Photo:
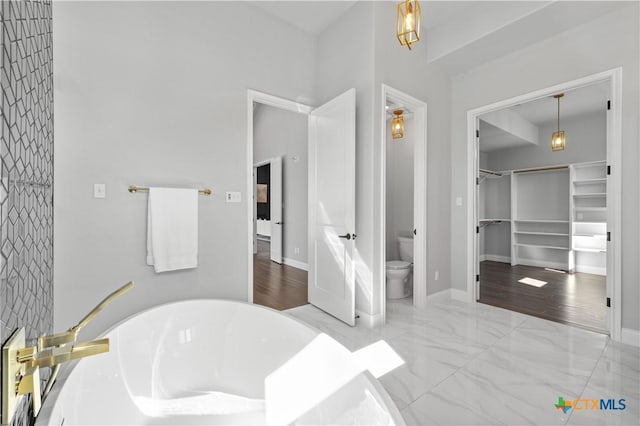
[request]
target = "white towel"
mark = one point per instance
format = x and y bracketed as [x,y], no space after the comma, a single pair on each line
[172,229]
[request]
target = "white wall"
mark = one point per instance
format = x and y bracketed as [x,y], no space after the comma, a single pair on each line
[400,182]
[281,133]
[154,93]
[409,72]
[586,141]
[607,42]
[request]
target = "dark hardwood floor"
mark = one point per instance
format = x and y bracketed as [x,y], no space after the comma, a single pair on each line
[577,299]
[277,286]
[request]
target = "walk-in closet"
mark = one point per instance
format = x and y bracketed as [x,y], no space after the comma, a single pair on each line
[542,209]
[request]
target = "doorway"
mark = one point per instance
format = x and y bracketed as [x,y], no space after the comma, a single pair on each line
[403,227]
[544,218]
[330,200]
[279,207]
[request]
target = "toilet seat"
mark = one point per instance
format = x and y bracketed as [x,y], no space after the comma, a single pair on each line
[397,264]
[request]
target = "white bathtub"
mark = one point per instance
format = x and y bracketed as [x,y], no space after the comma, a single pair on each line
[201,362]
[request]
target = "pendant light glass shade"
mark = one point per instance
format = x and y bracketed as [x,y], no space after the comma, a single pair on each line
[558,139]
[397,125]
[408,20]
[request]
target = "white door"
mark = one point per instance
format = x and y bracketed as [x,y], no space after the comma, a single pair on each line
[275,181]
[332,143]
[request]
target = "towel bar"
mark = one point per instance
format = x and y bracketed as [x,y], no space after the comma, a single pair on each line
[133,188]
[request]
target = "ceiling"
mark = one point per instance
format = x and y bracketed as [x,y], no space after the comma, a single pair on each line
[312,17]
[460,34]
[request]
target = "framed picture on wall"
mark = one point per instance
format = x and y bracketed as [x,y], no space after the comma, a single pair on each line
[261,193]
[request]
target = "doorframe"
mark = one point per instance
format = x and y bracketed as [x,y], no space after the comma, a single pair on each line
[274,101]
[614,188]
[420,200]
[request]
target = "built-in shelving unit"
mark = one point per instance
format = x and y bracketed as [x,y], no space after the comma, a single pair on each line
[540,212]
[553,217]
[495,216]
[589,217]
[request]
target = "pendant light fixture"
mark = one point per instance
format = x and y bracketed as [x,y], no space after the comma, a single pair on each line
[397,125]
[408,20]
[558,139]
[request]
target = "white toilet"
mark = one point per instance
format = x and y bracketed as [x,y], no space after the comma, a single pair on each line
[399,282]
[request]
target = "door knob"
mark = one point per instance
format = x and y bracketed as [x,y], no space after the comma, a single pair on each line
[279,223]
[414,232]
[347,236]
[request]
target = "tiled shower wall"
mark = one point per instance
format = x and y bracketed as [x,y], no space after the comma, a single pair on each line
[26,169]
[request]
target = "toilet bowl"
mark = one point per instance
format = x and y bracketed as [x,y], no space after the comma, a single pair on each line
[398,279]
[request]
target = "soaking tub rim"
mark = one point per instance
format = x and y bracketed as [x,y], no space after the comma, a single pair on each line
[67,369]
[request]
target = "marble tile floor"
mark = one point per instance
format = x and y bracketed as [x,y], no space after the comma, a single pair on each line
[478,364]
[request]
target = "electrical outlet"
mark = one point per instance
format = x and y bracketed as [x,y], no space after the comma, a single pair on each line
[233,197]
[458,201]
[436,275]
[296,250]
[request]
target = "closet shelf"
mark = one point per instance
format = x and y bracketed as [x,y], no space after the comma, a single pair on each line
[541,221]
[589,181]
[591,235]
[495,220]
[542,246]
[591,195]
[590,222]
[589,250]
[542,233]
[590,209]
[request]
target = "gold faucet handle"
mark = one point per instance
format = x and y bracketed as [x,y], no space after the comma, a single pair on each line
[57,355]
[30,383]
[57,339]
[26,354]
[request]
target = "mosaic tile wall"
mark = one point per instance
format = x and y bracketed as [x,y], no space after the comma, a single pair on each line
[26,170]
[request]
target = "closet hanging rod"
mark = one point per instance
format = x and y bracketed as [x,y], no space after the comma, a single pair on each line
[133,188]
[484,222]
[541,169]
[490,172]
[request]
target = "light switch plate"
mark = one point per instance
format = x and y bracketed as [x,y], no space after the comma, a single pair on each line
[99,190]
[458,201]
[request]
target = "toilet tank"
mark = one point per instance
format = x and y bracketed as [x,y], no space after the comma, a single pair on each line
[405,248]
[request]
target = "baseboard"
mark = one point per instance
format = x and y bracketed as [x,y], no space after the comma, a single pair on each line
[631,337]
[542,264]
[368,320]
[295,264]
[591,270]
[495,258]
[448,294]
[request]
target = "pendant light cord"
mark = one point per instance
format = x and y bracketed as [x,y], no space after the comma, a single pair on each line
[558,114]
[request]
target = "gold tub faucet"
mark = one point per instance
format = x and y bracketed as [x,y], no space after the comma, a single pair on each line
[21,364]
